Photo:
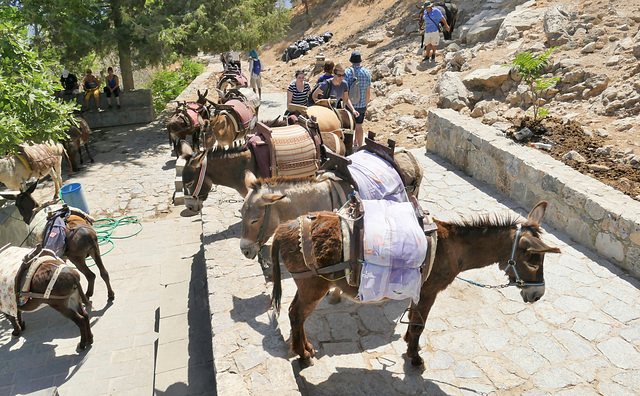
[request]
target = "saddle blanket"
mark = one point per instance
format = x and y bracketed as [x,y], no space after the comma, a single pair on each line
[10,263]
[395,248]
[376,178]
[41,157]
[245,115]
[193,116]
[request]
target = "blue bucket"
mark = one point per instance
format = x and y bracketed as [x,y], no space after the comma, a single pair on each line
[73,196]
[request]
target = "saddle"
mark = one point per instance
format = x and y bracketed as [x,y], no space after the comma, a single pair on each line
[39,157]
[17,270]
[242,115]
[191,111]
[292,150]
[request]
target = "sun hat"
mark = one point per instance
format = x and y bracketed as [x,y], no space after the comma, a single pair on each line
[65,73]
[428,4]
[355,57]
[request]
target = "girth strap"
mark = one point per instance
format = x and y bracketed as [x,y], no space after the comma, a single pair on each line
[307,244]
[53,280]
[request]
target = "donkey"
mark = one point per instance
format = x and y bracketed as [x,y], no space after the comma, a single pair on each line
[81,240]
[460,246]
[276,200]
[16,170]
[78,137]
[188,120]
[66,297]
[225,167]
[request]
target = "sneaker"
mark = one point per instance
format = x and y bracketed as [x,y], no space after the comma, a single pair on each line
[426,58]
[111,107]
[100,110]
[433,58]
[118,107]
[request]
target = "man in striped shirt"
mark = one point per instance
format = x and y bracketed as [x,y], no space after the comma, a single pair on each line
[364,78]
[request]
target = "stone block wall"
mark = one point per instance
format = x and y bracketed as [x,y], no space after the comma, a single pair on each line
[590,212]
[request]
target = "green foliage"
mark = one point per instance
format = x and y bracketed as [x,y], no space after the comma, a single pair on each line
[531,67]
[28,110]
[167,85]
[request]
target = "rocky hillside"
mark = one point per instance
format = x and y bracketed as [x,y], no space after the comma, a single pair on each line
[596,60]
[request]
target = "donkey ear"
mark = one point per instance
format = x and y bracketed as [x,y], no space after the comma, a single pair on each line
[535,245]
[206,92]
[220,93]
[537,213]
[32,188]
[249,179]
[270,199]
[185,149]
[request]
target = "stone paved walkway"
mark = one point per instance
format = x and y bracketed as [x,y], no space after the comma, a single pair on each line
[155,337]
[583,337]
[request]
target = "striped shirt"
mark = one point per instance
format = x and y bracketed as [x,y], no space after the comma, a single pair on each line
[364,77]
[299,98]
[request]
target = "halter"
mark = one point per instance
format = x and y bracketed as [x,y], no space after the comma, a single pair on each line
[512,263]
[200,182]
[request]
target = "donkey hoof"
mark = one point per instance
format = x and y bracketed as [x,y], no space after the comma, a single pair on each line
[16,333]
[333,300]
[305,362]
[111,296]
[81,347]
[417,361]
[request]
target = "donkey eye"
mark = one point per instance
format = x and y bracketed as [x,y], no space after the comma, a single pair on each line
[254,221]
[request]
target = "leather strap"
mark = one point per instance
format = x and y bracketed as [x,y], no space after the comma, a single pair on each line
[341,266]
[53,280]
[307,244]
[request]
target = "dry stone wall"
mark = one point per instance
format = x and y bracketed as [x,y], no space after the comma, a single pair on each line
[592,213]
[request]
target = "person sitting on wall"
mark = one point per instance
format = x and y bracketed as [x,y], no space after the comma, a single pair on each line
[69,83]
[91,86]
[112,87]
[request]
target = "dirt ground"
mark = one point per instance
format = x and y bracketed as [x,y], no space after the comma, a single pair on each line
[391,15]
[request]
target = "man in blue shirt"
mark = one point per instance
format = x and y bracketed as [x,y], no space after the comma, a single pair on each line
[432,16]
[364,79]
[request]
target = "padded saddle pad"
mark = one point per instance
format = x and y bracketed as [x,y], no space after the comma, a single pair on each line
[10,263]
[296,152]
[327,119]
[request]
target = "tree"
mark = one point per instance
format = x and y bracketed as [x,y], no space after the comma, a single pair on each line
[28,110]
[151,32]
[531,67]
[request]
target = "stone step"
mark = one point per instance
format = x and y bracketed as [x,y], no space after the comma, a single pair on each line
[180,163]
[178,198]
[129,98]
[124,116]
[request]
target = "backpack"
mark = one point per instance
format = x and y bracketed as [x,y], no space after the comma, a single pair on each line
[325,95]
[257,66]
[354,89]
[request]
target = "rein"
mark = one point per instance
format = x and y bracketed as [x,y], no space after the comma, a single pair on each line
[511,263]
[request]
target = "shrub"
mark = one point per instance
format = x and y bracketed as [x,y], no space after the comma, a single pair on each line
[531,67]
[167,85]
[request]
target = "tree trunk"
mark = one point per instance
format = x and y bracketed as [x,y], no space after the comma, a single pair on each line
[124,45]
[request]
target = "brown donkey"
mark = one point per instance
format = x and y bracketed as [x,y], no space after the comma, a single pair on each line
[81,240]
[66,297]
[461,246]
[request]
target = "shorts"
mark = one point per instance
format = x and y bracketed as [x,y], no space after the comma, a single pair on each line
[432,38]
[360,118]
[95,92]
[116,92]
[255,82]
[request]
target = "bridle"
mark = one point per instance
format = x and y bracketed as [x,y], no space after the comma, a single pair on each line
[263,228]
[200,181]
[511,263]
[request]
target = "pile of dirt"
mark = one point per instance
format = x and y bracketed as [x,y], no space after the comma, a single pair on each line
[571,145]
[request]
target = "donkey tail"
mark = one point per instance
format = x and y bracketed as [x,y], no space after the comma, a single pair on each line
[276,297]
[66,155]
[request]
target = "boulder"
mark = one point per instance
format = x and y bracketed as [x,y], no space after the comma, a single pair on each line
[483,79]
[555,25]
[372,39]
[519,20]
[452,92]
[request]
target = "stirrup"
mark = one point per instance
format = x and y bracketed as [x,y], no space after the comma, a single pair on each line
[411,323]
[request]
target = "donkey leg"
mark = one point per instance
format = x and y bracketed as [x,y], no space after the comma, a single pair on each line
[412,336]
[95,255]
[81,319]
[81,265]
[15,322]
[314,289]
[86,148]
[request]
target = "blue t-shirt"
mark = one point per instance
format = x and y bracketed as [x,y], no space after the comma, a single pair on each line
[324,77]
[336,90]
[431,20]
